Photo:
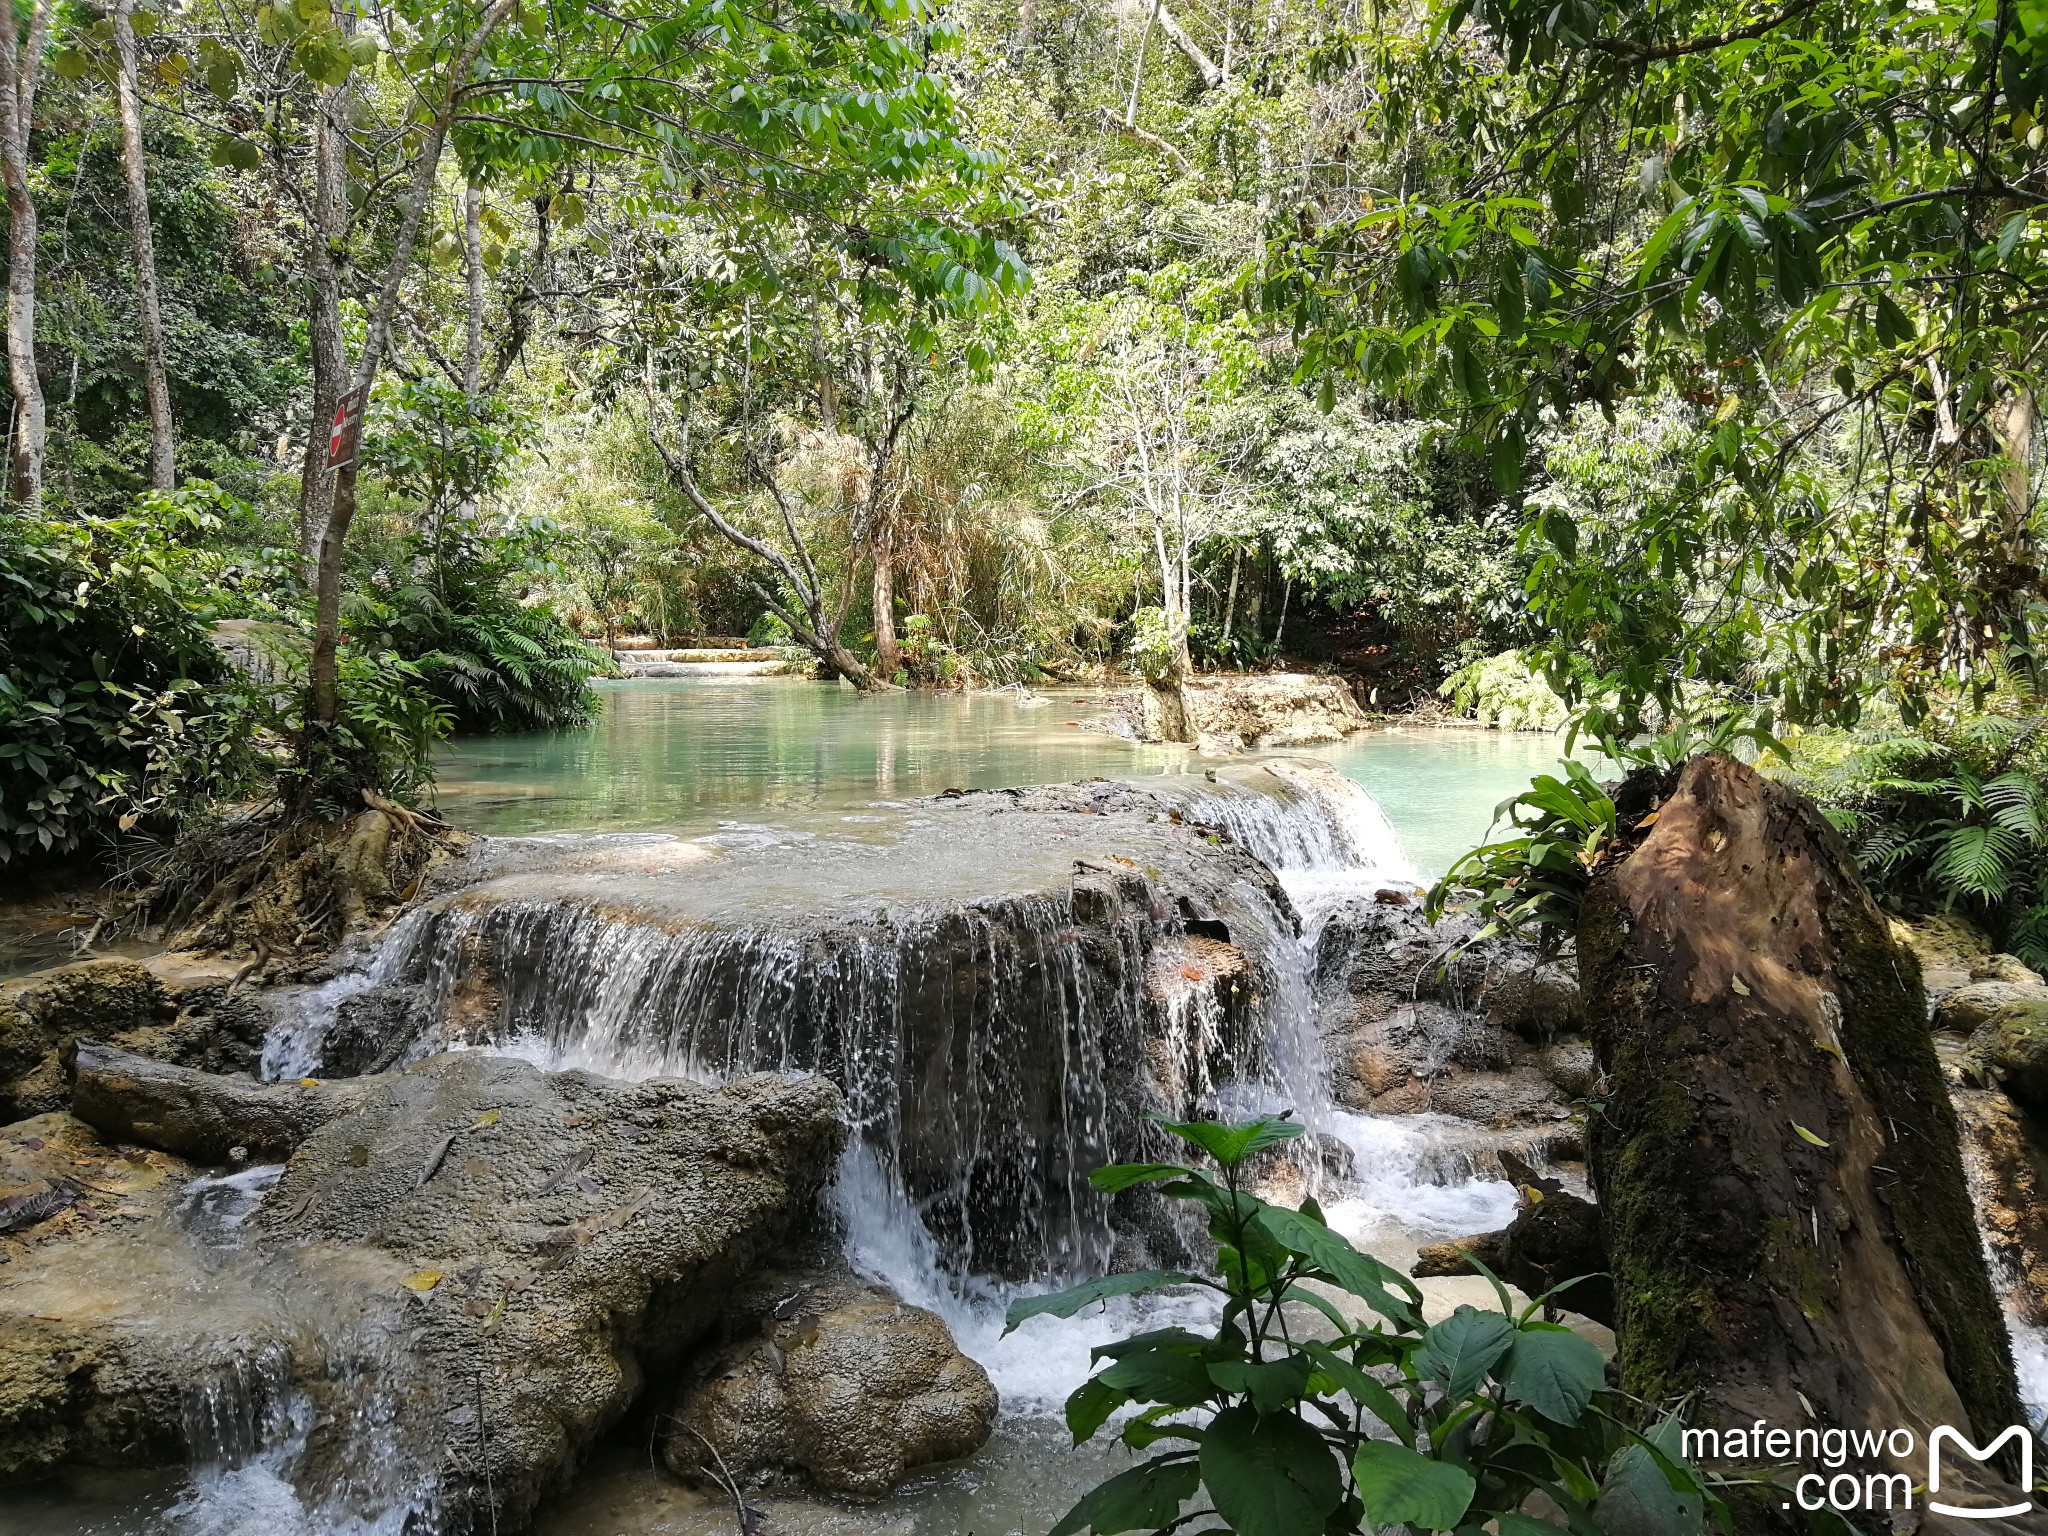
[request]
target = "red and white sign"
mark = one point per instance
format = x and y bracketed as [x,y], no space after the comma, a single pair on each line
[348,426]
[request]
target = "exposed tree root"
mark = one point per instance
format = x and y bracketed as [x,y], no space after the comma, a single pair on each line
[285,890]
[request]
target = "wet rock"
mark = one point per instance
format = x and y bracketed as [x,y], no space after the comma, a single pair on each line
[197,1115]
[1571,1067]
[2004,968]
[833,1382]
[2010,1049]
[372,1031]
[2006,1155]
[1554,1238]
[70,1390]
[1539,1003]
[474,1263]
[1279,709]
[1969,1008]
[169,1008]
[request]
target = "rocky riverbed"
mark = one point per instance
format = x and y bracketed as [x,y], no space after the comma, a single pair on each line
[656,1175]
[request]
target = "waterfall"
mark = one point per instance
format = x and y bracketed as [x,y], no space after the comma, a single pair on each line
[993,1050]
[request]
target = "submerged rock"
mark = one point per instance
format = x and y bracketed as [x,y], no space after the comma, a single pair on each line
[455,1285]
[829,1381]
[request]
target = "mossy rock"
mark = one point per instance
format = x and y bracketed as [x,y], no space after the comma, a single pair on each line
[38,1014]
[2010,1049]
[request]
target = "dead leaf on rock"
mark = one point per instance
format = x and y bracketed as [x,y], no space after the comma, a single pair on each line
[488,1117]
[422,1280]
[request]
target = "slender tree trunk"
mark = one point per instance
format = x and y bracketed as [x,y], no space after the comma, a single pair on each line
[1230,602]
[888,653]
[473,263]
[324,702]
[1027,31]
[20,66]
[323,268]
[163,443]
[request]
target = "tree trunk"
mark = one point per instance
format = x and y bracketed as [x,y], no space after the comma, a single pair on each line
[1775,1152]
[473,269]
[888,654]
[163,446]
[20,66]
[1026,33]
[330,360]
[324,696]
[1191,50]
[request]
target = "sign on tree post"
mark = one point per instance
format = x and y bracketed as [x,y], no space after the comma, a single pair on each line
[348,426]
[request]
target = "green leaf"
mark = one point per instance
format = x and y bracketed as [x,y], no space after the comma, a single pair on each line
[1639,1497]
[1161,1376]
[1232,1144]
[1362,1275]
[1371,1394]
[1273,1384]
[1089,1407]
[1067,1303]
[1269,1475]
[1461,1349]
[1120,1176]
[1143,1498]
[71,64]
[1404,1487]
[1554,1371]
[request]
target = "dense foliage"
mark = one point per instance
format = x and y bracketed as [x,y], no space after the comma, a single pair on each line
[1284,1425]
[115,708]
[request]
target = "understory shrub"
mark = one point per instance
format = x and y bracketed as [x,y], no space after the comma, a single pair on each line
[1292,1418]
[1950,816]
[1502,691]
[452,608]
[116,710]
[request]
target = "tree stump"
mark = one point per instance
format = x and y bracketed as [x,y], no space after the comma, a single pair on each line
[1775,1152]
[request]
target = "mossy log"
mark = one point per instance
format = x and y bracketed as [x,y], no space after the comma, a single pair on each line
[1775,1152]
[196,1114]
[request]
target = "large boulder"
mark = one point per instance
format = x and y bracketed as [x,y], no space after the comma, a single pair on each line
[833,1382]
[463,1273]
[1232,712]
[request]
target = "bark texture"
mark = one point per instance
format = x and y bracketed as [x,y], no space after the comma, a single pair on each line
[1776,1156]
[163,450]
[20,65]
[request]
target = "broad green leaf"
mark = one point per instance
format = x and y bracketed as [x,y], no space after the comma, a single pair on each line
[1638,1497]
[1554,1371]
[1388,1292]
[1119,1176]
[1368,1392]
[1141,1499]
[1161,1376]
[1232,1144]
[1067,1303]
[1269,1475]
[1460,1350]
[1273,1384]
[1089,1407]
[1404,1487]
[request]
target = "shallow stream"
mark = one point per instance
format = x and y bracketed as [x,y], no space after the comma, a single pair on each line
[768,766]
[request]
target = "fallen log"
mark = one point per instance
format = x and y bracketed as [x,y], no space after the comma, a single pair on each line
[1774,1149]
[197,1115]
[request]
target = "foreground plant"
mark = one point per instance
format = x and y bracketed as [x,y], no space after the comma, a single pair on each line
[1283,1423]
